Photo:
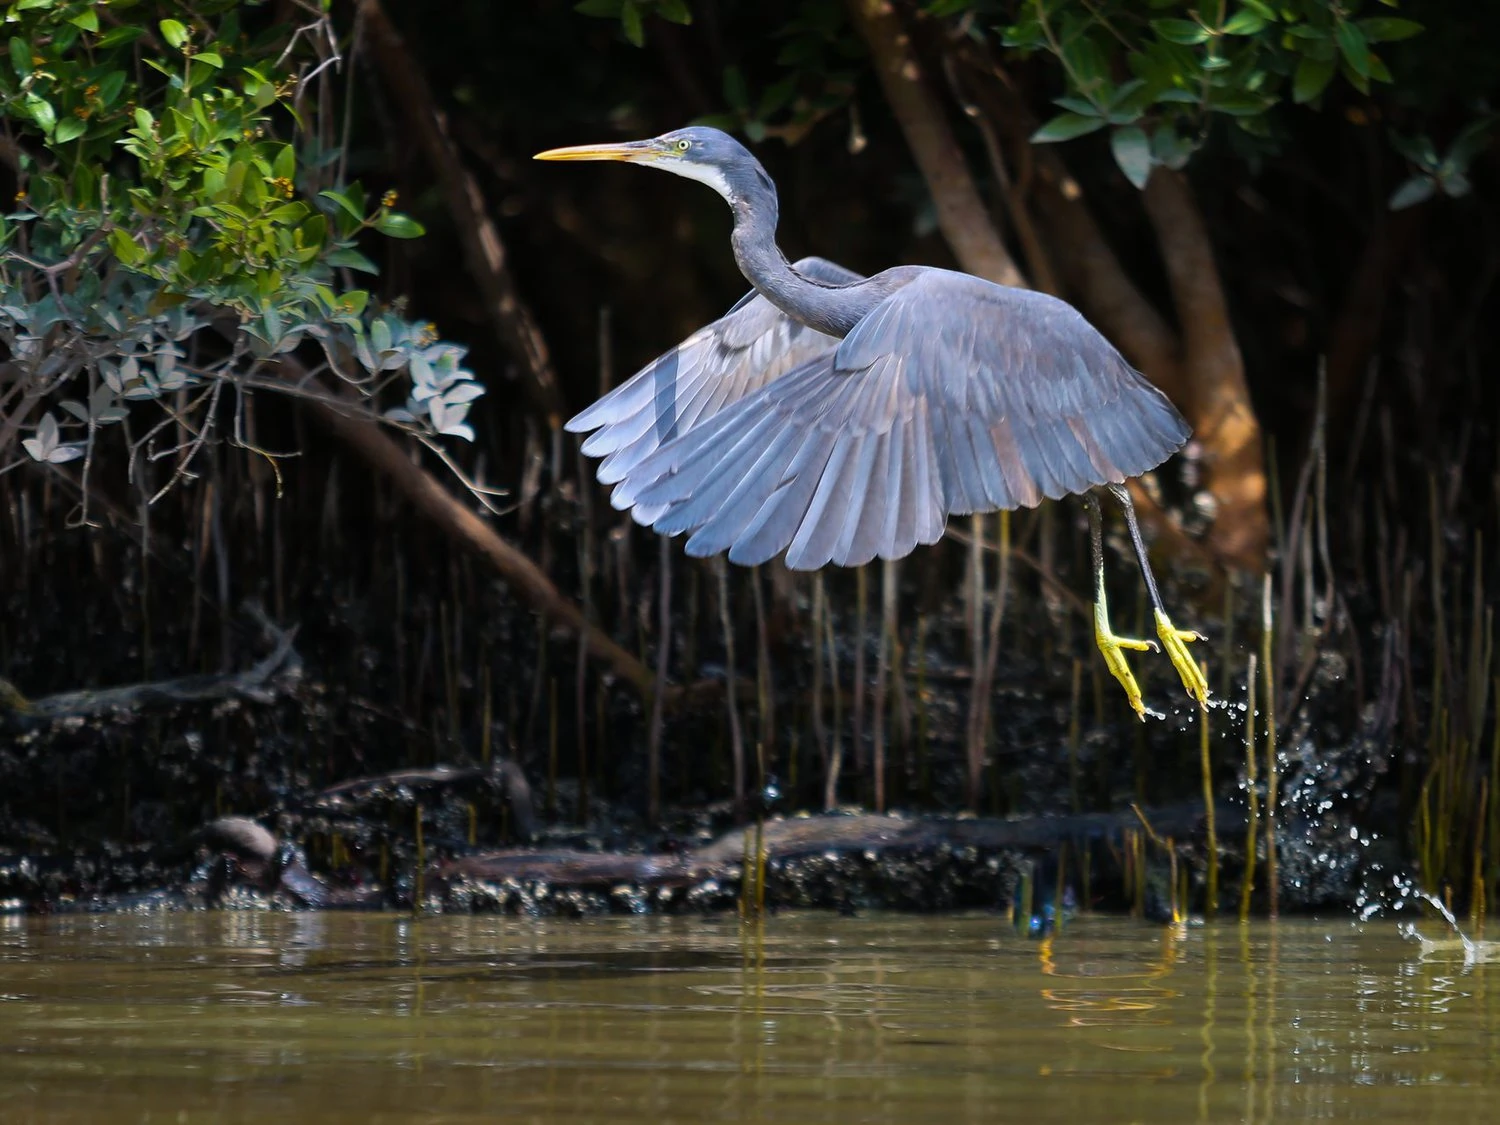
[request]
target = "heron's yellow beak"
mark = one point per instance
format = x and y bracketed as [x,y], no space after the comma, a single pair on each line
[630,151]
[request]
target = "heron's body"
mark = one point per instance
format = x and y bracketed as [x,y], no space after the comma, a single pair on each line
[834,418]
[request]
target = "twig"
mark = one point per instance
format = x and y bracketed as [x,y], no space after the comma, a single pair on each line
[663,661]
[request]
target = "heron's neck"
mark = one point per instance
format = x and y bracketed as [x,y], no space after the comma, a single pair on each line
[831,309]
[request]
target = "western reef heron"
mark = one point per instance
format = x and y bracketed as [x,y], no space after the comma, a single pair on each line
[837,418]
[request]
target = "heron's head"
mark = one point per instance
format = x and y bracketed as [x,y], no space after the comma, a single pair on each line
[698,152]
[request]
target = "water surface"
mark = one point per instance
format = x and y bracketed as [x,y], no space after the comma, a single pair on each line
[288,1018]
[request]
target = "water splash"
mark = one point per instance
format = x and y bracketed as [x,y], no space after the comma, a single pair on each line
[1474,951]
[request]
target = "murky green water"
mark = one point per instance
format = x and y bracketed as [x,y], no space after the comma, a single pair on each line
[329,1018]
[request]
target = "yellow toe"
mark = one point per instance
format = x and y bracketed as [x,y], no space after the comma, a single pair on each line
[1111,647]
[1174,643]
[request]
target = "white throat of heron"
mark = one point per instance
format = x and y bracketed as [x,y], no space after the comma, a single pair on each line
[703,173]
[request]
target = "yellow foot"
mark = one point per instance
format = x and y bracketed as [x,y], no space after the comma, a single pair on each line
[1114,659]
[1174,643]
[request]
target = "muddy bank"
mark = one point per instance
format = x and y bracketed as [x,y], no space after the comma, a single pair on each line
[128,798]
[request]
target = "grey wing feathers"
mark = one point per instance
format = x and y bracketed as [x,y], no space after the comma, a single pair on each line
[748,347]
[803,466]
[953,395]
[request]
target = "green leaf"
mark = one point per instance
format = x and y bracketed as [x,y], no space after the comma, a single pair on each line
[68,129]
[1360,82]
[1169,149]
[174,32]
[778,95]
[1416,190]
[1244,22]
[349,258]
[736,94]
[1419,149]
[1086,64]
[630,23]
[1237,103]
[674,11]
[110,86]
[1352,45]
[398,225]
[344,202]
[271,320]
[1179,95]
[1311,79]
[126,249]
[42,113]
[1132,153]
[380,337]
[1262,9]
[1130,97]
[1388,29]
[1185,32]
[288,214]
[1066,126]
[210,58]
[1471,140]
[86,20]
[127,33]
[20,57]
[1024,34]
[1454,183]
[285,165]
[1081,106]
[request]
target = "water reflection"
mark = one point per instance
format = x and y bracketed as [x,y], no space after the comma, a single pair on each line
[809,1017]
[1112,988]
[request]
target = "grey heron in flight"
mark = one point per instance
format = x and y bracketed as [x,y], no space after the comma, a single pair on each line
[835,418]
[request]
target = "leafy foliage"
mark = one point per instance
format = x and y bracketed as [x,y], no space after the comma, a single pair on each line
[1448,175]
[1156,74]
[1159,74]
[179,219]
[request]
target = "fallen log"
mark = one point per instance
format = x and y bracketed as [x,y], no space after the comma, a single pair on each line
[807,836]
[262,682]
[830,859]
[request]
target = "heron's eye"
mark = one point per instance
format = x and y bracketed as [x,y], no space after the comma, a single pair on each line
[684,144]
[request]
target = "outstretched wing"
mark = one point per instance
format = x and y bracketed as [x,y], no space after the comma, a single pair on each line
[953,395]
[746,348]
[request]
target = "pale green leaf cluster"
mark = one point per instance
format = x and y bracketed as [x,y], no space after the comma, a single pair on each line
[178,218]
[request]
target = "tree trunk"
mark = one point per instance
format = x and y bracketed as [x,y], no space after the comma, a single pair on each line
[962,216]
[1217,401]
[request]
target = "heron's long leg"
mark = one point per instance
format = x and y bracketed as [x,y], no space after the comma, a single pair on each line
[1110,644]
[1173,640]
